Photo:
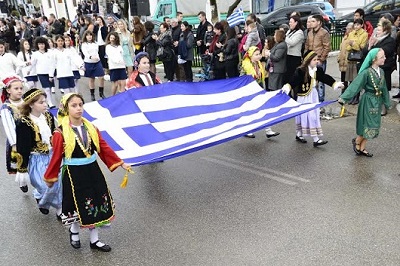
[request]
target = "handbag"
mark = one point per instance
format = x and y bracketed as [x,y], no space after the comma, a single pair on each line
[160,51]
[355,56]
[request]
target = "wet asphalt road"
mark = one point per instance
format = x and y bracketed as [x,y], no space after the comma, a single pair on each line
[246,202]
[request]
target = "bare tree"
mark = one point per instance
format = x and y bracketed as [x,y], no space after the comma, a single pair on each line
[214,11]
[125,10]
[233,7]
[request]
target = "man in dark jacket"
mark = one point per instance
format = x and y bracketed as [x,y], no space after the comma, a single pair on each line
[201,31]
[176,33]
[55,26]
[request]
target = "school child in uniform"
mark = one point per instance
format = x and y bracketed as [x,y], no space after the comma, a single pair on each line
[116,63]
[41,61]
[63,60]
[93,66]
[51,43]
[76,58]
[27,72]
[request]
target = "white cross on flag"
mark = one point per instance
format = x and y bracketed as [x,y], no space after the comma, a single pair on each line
[164,121]
[236,18]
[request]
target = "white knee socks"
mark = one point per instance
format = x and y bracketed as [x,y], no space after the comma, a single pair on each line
[49,96]
[75,229]
[94,237]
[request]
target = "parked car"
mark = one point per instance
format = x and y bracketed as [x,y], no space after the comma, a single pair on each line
[373,12]
[273,20]
[325,6]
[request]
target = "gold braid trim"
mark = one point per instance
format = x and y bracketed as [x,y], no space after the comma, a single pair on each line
[69,135]
[40,146]
[18,157]
[51,180]
[114,166]
[309,55]
[32,95]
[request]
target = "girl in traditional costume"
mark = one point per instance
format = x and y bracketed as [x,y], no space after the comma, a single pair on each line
[87,201]
[371,78]
[12,99]
[252,65]
[306,77]
[34,130]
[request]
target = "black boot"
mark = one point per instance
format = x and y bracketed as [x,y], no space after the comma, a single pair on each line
[92,95]
[101,92]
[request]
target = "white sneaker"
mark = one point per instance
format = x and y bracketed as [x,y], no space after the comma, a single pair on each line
[53,90]
[62,91]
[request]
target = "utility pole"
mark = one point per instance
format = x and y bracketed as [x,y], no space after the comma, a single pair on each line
[66,9]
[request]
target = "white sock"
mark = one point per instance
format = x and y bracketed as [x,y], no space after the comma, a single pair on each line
[94,237]
[48,94]
[75,229]
[315,139]
[268,130]
[58,211]
[66,91]
[299,134]
[76,88]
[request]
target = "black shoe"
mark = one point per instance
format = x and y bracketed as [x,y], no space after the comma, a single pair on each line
[24,189]
[59,217]
[301,139]
[92,97]
[74,244]
[52,107]
[105,248]
[355,146]
[272,134]
[320,142]
[102,95]
[251,136]
[365,153]
[44,211]
[397,96]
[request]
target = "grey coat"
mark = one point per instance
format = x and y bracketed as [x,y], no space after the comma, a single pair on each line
[278,66]
[278,57]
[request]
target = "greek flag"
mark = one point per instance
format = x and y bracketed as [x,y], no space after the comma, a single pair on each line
[236,18]
[164,121]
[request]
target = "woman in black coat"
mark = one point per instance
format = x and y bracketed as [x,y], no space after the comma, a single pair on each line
[383,40]
[231,54]
[150,45]
[164,41]
[216,48]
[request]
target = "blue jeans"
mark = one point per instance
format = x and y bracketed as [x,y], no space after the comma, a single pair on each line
[321,86]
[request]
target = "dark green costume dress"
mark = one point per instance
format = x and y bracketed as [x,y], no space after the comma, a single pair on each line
[370,106]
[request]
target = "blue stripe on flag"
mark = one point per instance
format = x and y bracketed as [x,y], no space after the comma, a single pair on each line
[172,119]
[236,17]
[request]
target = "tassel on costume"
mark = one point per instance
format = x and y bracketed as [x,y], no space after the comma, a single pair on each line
[125,179]
[342,111]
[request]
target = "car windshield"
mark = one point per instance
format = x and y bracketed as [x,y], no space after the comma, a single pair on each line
[373,5]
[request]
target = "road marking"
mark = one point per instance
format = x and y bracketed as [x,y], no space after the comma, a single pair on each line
[255,169]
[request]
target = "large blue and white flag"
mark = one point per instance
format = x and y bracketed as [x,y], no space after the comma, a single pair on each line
[164,121]
[236,18]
